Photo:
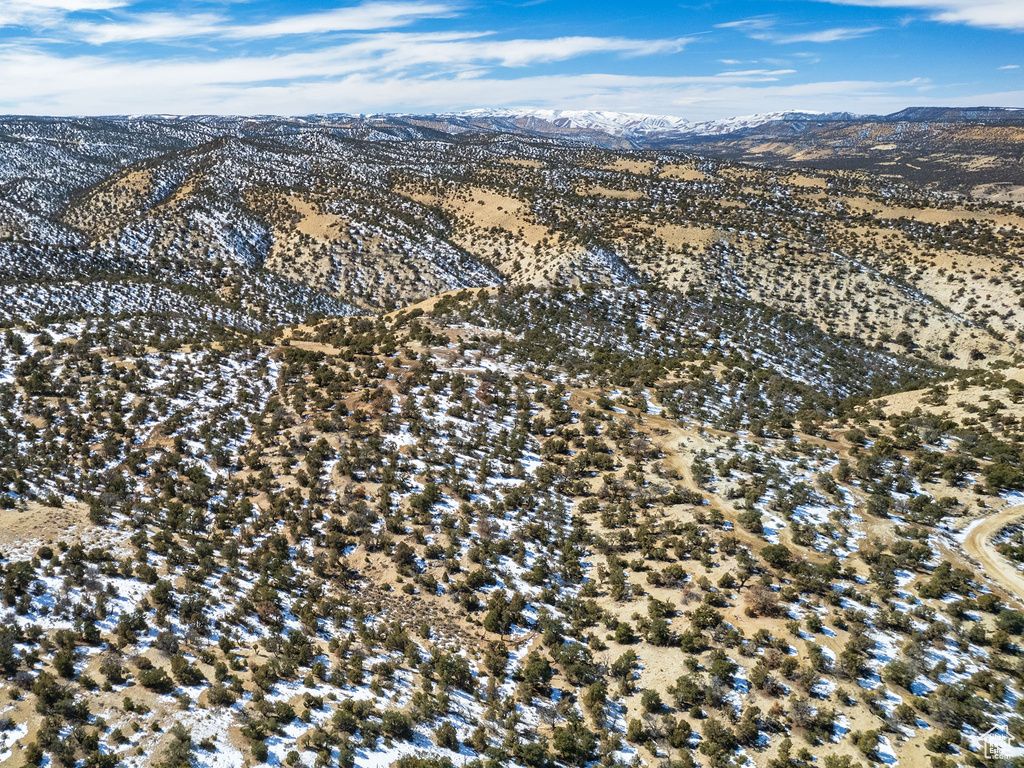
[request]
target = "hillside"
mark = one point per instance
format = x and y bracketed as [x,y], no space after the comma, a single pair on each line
[323,445]
[275,219]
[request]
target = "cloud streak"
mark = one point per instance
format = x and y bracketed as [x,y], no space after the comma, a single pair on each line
[14,13]
[764,28]
[331,81]
[992,14]
[833,35]
[170,26]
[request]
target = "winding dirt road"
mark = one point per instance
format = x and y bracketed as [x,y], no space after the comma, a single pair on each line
[978,545]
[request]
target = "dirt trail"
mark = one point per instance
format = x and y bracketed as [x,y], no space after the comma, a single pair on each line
[978,545]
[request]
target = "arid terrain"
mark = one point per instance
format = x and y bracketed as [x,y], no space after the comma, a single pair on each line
[328,443]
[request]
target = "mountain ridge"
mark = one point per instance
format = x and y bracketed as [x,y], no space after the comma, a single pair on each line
[972,151]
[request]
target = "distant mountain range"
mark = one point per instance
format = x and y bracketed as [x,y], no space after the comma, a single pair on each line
[643,129]
[604,128]
[638,126]
[972,150]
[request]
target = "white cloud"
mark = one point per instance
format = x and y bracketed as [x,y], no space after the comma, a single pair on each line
[37,80]
[764,28]
[760,74]
[824,36]
[48,12]
[170,26]
[368,16]
[70,6]
[1011,66]
[993,14]
[339,80]
[392,51]
[149,26]
[373,63]
[752,24]
[385,50]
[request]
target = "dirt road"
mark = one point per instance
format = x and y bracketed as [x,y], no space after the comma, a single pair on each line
[978,545]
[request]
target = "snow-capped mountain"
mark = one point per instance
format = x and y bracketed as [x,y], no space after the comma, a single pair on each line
[613,123]
[629,125]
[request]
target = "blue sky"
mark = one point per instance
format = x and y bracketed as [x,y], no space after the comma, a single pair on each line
[699,60]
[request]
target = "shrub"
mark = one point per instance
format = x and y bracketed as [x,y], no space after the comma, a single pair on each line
[635,732]
[777,555]
[446,737]
[156,679]
[219,696]
[260,752]
[651,701]
[396,724]
[1010,621]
